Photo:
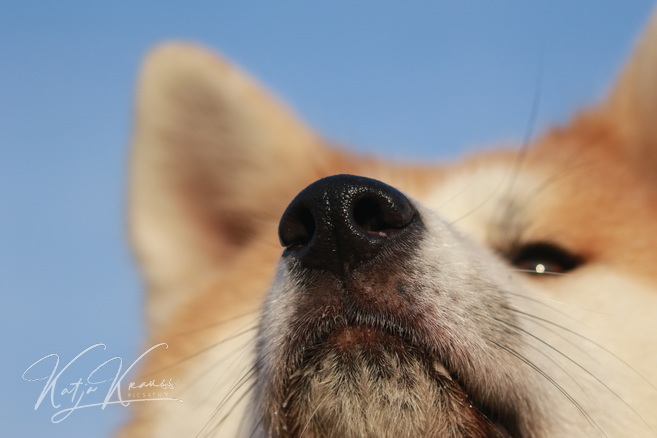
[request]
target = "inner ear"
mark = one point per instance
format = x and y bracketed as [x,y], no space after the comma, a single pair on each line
[215,160]
[632,103]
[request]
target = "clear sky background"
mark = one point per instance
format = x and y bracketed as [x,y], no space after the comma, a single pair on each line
[421,80]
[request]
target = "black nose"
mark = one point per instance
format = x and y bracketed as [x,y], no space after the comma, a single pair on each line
[340,221]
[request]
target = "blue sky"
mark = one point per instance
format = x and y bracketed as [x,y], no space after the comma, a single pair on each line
[421,80]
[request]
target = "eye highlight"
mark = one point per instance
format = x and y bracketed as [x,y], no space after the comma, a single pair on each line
[541,258]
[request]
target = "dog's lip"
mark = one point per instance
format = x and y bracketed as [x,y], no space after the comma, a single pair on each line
[351,334]
[370,332]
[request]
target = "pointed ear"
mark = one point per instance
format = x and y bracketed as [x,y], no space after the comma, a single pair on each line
[214,159]
[633,101]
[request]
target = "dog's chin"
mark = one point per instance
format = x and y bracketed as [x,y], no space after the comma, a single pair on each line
[362,380]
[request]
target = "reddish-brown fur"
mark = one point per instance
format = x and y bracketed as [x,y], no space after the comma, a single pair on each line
[216,201]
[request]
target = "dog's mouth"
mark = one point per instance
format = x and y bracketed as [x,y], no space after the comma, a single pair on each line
[371,366]
[363,354]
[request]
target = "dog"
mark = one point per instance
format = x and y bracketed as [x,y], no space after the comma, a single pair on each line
[298,290]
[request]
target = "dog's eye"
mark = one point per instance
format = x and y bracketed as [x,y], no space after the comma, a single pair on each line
[544,258]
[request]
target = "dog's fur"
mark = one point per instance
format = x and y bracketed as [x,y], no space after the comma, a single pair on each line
[443,333]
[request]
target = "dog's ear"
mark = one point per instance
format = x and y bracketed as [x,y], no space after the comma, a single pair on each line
[215,159]
[633,102]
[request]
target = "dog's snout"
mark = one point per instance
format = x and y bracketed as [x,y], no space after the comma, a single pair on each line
[341,221]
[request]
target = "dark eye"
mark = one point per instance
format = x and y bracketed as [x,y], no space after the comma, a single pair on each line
[544,258]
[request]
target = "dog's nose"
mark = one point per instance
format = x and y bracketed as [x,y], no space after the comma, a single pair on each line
[341,221]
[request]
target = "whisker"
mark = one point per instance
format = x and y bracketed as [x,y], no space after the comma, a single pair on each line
[256,426]
[544,300]
[243,381]
[511,176]
[552,359]
[218,323]
[244,350]
[544,274]
[592,342]
[208,348]
[527,316]
[547,377]
[577,364]
[310,417]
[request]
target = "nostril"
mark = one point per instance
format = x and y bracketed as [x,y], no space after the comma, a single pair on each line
[381,215]
[297,228]
[339,222]
[369,216]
